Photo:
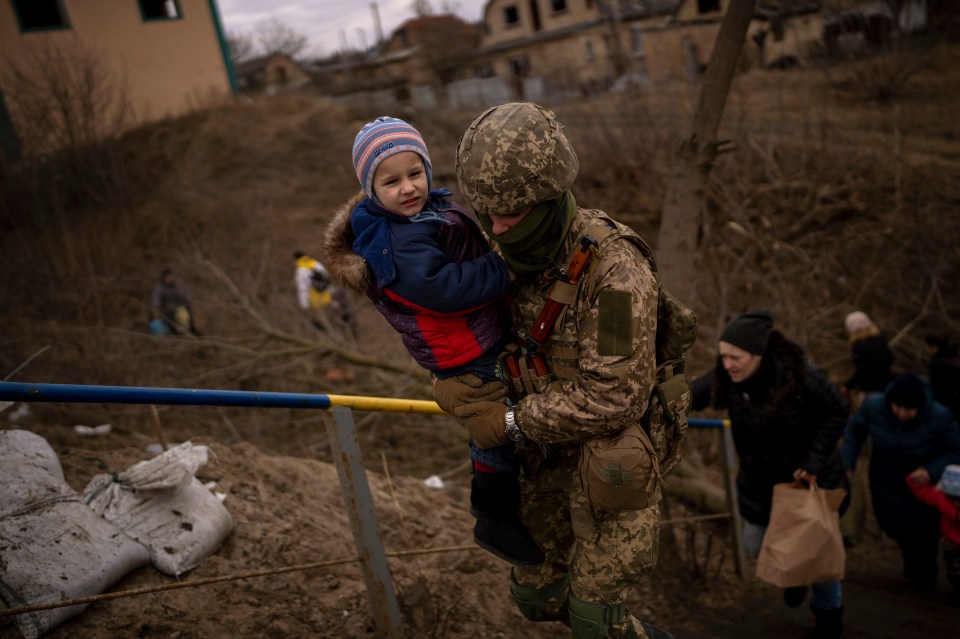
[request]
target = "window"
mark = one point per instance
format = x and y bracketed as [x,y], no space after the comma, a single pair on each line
[589,51]
[484,70]
[636,42]
[159,9]
[35,15]
[511,16]
[706,6]
[519,67]
[558,6]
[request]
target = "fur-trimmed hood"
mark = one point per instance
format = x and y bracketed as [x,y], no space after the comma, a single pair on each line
[347,269]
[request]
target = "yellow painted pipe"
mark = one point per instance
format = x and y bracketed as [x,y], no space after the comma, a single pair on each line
[387,404]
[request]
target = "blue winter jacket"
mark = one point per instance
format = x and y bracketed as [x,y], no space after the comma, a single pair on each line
[435,280]
[930,440]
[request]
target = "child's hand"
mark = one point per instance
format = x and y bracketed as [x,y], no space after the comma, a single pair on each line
[920,477]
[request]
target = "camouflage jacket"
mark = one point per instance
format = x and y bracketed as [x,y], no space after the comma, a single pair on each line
[602,349]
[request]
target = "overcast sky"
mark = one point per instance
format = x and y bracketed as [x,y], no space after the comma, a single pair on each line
[322,21]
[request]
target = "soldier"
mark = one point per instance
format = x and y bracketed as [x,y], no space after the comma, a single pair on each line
[516,167]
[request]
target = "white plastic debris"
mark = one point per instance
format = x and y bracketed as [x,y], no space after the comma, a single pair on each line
[18,413]
[433,481]
[102,429]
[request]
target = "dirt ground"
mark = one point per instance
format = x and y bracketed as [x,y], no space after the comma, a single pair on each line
[289,512]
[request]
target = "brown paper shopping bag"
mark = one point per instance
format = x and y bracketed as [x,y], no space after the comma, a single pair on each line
[803,544]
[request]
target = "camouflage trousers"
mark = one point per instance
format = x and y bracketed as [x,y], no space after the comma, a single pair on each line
[603,554]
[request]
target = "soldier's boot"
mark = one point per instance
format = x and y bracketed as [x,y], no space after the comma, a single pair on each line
[495,501]
[595,621]
[829,623]
[542,604]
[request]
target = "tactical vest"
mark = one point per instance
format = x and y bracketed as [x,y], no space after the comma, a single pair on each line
[610,469]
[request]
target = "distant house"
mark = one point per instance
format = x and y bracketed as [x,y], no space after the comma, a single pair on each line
[574,46]
[171,55]
[556,47]
[410,69]
[271,73]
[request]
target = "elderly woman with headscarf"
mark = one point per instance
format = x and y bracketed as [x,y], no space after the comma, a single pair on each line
[911,436]
[872,358]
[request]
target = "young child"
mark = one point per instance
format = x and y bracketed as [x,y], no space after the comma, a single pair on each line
[946,498]
[430,272]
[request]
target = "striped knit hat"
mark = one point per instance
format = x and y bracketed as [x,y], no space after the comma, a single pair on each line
[380,139]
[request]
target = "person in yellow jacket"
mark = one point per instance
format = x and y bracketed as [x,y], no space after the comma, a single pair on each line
[315,292]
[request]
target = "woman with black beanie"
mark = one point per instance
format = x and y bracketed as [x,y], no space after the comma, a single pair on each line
[786,418]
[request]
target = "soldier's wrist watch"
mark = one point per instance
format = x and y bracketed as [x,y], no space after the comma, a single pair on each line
[513,431]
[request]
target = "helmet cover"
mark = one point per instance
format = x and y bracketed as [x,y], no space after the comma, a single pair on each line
[512,157]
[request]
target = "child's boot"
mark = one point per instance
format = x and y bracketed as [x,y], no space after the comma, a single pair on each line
[495,501]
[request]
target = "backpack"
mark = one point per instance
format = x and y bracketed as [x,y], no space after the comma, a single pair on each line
[625,471]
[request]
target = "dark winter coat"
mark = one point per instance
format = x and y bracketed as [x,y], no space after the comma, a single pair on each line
[788,415]
[872,360]
[930,440]
[435,281]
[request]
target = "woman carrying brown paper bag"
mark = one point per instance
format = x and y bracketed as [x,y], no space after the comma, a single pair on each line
[786,418]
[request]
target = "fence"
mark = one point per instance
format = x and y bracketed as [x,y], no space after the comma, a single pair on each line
[343,437]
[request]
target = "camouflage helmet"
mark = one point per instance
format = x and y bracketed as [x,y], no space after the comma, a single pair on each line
[514,156]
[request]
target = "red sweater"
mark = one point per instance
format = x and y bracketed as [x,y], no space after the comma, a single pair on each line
[949,509]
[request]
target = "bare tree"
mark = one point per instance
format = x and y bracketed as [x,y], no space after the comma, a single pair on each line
[241,47]
[421,8]
[449,51]
[687,179]
[276,37]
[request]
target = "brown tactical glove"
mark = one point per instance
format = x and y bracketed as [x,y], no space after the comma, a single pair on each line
[485,421]
[466,389]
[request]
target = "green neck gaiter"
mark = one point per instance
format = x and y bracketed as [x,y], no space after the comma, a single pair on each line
[532,244]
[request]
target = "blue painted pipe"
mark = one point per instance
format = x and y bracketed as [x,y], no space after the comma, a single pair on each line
[76,393]
[709,423]
[16,392]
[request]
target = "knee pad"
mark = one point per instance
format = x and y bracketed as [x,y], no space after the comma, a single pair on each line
[592,620]
[530,601]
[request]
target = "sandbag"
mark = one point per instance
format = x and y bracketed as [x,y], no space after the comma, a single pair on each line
[161,504]
[802,544]
[52,545]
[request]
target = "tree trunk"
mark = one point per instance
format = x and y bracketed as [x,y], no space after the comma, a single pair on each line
[687,180]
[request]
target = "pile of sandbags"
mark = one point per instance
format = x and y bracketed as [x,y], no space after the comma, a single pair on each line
[161,504]
[56,545]
[53,546]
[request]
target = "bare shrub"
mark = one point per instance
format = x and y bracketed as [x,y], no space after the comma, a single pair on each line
[65,98]
[69,107]
[884,76]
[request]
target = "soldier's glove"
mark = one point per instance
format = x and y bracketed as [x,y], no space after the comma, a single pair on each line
[466,389]
[485,421]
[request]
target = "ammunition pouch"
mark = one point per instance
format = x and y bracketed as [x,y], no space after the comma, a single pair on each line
[521,378]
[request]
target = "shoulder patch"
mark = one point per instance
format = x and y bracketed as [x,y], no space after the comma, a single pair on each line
[614,323]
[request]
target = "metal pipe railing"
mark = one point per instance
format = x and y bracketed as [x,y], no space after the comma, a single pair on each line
[88,394]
